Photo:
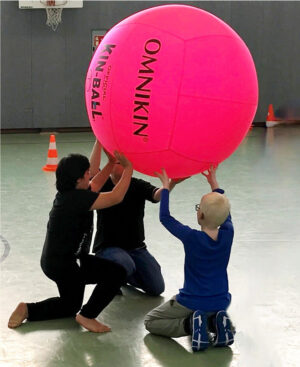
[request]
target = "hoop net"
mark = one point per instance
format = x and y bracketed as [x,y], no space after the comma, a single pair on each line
[53,13]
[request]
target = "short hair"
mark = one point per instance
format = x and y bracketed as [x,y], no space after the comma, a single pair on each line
[69,170]
[215,207]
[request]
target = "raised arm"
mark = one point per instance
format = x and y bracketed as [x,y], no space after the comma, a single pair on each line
[212,180]
[115,196]
[101,177]
[170,223]
[95,158]
[211,177]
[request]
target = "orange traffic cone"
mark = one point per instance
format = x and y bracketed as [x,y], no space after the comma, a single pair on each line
[52,159]
[271,119]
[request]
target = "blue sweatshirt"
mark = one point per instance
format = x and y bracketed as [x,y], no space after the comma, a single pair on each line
[205,285]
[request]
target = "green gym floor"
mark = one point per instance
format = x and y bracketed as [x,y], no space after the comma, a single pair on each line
[262,181]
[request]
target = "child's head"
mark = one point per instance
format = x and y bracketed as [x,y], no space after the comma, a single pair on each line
[213,210]
[69,170]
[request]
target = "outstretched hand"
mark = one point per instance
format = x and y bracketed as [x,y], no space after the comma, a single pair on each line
[164,178]
[122,159]
[110,157]
[210,175]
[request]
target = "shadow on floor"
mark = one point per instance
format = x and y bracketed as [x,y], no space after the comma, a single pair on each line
[66,324]
[170,353]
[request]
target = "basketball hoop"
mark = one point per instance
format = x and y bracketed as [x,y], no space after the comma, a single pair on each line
[54,10]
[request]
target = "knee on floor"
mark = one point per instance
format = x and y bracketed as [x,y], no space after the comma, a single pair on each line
[148,324]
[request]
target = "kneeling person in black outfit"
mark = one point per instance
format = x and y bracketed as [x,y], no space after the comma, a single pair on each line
[69,220]
[124,244]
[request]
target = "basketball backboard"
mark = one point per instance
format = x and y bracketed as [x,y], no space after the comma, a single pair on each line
[53,8]
[37,4]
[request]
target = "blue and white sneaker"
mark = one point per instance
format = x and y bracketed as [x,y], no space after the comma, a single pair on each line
[199,331]
[224,330]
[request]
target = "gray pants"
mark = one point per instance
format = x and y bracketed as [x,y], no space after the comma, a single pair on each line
[168,319]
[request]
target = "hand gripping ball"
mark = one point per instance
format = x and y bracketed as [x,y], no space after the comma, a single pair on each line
[172,86]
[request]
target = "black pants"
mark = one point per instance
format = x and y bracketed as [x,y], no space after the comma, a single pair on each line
[71,284]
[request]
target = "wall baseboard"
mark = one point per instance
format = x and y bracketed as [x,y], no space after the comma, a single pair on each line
[47,130]
[74,129]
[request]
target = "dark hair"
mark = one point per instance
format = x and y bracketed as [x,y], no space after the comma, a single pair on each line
[69,170]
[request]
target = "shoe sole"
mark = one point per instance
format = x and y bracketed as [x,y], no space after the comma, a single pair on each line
[200,335]
[225,335]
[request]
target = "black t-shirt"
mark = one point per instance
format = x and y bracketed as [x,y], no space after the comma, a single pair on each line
[122,225]
[69,219]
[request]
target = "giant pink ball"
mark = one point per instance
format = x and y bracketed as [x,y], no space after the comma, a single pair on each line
[172,86]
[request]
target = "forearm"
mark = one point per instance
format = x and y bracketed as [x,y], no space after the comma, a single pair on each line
[214,185]
[95,158]
[101,177]
[107,199]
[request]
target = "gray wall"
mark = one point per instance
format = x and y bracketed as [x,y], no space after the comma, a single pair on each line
[43,72]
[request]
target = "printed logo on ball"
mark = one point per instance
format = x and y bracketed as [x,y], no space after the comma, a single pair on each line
[143,90]
[100,81]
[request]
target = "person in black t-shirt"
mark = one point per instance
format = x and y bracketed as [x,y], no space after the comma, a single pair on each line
[69,221]
[120,229]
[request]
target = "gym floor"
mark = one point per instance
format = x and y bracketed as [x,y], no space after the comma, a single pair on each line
[261,180]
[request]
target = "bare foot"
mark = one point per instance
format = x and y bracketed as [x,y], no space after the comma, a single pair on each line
[18,316]
[92,324]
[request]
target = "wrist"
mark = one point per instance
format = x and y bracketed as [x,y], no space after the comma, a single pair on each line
[214,187]
[128,168]
[219,190]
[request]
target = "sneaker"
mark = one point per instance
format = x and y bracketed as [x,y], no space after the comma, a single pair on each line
[224,330]
[199,331]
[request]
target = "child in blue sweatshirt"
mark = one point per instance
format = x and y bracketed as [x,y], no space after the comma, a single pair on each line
[199,309]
